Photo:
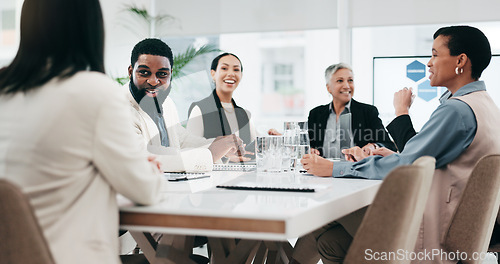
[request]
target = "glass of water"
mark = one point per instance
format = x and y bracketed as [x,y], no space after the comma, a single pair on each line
[304,146]
[269,153]
[291,142]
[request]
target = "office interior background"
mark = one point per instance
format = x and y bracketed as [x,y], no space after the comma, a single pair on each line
[284,45]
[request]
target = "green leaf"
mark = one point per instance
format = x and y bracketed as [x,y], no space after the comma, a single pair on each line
[184,58]
[141,13]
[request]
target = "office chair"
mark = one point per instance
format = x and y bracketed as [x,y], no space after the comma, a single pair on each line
[23,241]
[472,222]
[392,221]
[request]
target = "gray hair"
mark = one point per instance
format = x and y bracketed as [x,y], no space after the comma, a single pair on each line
[334,68]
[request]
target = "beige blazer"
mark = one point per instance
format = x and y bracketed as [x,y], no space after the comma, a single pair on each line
[70,147]
[449,181]
[187,152]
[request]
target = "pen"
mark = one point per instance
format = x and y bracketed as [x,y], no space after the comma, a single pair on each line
[187,179]
[239,150]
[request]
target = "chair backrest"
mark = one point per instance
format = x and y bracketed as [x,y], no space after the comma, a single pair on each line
[22,239]
[392,221]
[473,220]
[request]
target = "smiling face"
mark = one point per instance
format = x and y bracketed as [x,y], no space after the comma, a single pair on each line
[227,75]
[151,74]
[442,65]
[341,86]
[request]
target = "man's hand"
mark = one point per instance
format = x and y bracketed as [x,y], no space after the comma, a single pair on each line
[156,164]
[402,101]
[229,144]
[354,154]
[317,165]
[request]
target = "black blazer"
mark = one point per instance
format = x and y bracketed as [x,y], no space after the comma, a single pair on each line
[401,130]
[365,124]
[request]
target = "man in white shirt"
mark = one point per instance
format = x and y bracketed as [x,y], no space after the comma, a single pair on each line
[156,118]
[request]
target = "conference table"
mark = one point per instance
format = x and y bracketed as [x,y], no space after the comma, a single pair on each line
[242,226]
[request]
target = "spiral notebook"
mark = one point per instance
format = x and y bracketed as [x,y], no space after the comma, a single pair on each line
[235,167]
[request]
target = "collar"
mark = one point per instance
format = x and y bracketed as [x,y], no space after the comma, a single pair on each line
[347,108]
[466,89]
[470,88]
[218,102]
[130,97]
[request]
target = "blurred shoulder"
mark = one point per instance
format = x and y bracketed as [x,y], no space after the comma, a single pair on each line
[93,81]
[87,89]
[320,108]
[363,106]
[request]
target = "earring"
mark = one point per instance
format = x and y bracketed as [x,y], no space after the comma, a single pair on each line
[461,70]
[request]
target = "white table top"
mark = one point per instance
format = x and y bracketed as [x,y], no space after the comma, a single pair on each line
[197,207]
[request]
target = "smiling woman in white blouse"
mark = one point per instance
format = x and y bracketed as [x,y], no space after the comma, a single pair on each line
[218,114]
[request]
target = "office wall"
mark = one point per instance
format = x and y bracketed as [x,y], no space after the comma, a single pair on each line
[238,16]
[365,13]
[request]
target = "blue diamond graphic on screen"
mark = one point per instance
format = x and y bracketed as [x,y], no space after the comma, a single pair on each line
[415,71]
[426,91]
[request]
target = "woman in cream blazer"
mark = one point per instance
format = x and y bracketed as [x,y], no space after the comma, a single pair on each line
[65,135]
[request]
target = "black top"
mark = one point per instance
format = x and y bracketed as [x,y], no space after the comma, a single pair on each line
[215,121]
[401,130]
[365,125]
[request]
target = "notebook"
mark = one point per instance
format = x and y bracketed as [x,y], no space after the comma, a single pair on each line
[266,188]
[283,183]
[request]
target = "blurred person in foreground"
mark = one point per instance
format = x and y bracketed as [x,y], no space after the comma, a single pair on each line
[64,140]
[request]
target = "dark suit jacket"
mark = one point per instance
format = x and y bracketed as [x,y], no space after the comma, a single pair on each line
[366,126]
[401,130]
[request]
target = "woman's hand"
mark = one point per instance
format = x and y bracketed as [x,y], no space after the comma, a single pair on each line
[315,151]
[226,145]
[403,100]
[384,152]
[273,132]
[354,154]
[368,148]
[236,158]
[317,165]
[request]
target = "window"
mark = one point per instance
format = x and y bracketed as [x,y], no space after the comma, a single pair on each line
[8,32]
[395,41]
[283,73]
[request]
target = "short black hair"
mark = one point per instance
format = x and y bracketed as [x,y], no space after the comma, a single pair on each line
[151,46]
[472,42]
[215,62]
[55,43]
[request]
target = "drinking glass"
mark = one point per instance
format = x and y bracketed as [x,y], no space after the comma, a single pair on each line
[304,146]
[291,142]
[269,153]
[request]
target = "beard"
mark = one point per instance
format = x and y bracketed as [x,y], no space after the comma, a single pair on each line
[147,103]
